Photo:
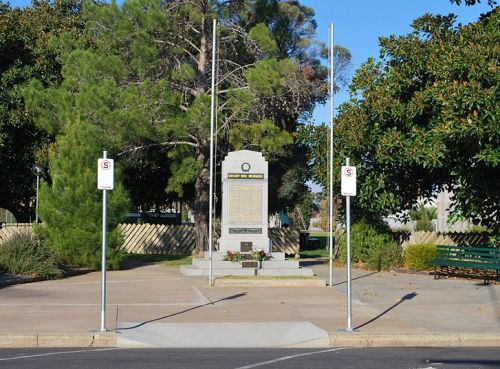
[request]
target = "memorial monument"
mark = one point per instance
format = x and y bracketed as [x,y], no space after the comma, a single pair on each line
[244,223]
[244,203]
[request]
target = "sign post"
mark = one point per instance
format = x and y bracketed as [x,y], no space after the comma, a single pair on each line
[348,189]
[105,182]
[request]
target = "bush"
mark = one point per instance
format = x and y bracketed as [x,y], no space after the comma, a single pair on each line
[27,255]
[416,255]
[424,225]
[384,256]
[372,245]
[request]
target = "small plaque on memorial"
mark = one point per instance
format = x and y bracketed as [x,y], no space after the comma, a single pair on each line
[245,230]
[246,246]
[250,264]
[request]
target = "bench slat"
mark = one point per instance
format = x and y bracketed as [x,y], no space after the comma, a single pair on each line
[486,258]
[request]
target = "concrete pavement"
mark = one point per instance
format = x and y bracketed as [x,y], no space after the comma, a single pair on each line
[155,306]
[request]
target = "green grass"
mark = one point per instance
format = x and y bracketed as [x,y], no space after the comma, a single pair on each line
[322,237]
[176,260]
[314,254]
[166,260]
[268,277]
[321,249]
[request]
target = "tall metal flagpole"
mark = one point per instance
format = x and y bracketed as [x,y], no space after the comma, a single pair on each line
[330,195]
[211,187]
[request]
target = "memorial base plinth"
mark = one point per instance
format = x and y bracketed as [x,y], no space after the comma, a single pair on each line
[277,265]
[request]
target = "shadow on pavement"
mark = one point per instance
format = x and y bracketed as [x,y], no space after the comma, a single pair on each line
[353,279]
[404,298]
[233,297]
[466,363]
[494,302]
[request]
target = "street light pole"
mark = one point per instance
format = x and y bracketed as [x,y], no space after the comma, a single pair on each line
[211,188]
[37,170]
[330,170]
[37,189]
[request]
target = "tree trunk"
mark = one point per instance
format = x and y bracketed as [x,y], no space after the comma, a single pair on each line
[201,187]
[200,208]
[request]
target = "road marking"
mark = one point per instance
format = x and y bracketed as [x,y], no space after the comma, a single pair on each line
[124,281]
[194,303]
[290,357]
[56,353]
[203,298]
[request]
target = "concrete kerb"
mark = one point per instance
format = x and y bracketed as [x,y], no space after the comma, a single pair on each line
[338,339]
[46,340]
[428,340]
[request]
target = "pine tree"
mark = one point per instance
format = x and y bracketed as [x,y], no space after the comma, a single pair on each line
[71,205]
[141,77]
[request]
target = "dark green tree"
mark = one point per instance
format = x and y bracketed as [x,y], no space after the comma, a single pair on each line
[144,82]
[71,205]
[491,3]
[425,118]
[26,53]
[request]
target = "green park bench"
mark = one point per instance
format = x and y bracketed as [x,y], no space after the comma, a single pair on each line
[464,256]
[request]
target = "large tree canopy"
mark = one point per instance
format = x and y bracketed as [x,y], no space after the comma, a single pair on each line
[141,76]
[425,118]
[26,53]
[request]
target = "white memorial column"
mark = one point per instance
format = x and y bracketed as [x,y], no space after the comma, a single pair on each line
[244,202]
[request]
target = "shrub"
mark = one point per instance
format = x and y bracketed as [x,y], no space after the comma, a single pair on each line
[494,241]
[27,255]
[416,255]
[384,256]
[372,245]
[424,225]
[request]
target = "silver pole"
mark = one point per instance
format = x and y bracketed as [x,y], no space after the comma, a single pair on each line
[348,226]
[212,117]
[36,205]
[330,195]
[103,260]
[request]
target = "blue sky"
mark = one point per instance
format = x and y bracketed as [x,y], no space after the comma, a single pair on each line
[359,23]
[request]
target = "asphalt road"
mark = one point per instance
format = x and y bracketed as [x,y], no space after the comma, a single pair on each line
[355,358]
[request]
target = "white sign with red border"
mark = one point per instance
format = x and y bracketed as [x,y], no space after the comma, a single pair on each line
[105,174]
[348,181]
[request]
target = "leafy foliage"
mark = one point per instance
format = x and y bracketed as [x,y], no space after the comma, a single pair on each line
[26,255]
[491,3]
[423,119]
[416,255]
[71,205]
[423,215]
[140,76]
[373,246]
[26,53]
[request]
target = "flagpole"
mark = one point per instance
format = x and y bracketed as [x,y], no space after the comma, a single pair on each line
[211,186]
[330,195]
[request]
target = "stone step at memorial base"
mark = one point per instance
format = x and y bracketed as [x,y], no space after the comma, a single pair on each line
[192,271]
[267,264]
[219,256]
[276,266]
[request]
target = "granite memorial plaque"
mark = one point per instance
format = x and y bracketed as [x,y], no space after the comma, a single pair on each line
[245,246]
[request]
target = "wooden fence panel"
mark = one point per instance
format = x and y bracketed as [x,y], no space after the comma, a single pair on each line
[285,240]
[11,229]
[180,239]
[157,238]
[450,238]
